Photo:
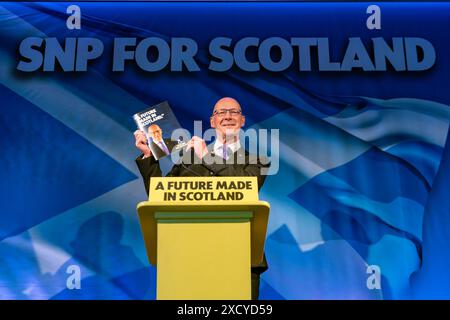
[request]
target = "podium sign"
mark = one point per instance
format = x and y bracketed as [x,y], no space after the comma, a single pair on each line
[203,189]
[203,234]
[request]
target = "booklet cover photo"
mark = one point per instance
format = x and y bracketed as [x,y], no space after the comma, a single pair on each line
[158,123]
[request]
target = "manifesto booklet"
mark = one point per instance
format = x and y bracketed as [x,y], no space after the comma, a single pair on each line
[158,123]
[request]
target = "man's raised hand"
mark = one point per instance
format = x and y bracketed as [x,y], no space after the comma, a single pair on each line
[141,143]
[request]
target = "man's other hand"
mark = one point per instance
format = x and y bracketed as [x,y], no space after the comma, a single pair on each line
[141,143]
[199,146]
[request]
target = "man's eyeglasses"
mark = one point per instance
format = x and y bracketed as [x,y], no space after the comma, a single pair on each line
[222,113]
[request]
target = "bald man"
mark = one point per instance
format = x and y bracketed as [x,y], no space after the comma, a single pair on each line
[159,147]
[227,119]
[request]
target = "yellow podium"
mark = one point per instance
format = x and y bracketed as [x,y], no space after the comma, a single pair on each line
[203,234]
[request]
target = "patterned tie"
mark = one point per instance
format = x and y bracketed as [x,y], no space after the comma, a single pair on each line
[163,147]
[225,150]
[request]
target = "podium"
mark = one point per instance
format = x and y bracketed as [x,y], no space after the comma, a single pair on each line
[203,234]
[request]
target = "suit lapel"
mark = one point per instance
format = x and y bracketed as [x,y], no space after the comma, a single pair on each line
[239,157]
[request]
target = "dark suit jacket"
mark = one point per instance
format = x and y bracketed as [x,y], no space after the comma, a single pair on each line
[244,165]
[157,151]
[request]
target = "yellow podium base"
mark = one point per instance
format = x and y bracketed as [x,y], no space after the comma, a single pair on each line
[220,268]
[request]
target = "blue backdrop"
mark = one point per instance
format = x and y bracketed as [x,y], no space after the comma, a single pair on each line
[364,156]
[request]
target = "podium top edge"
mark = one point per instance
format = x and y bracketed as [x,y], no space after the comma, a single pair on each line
[171,205]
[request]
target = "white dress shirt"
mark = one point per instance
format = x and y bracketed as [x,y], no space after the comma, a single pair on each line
[233,147]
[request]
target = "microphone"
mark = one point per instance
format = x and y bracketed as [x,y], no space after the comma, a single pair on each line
[184,166]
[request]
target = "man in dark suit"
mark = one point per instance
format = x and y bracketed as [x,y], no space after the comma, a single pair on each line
[225,157]
[159,147]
